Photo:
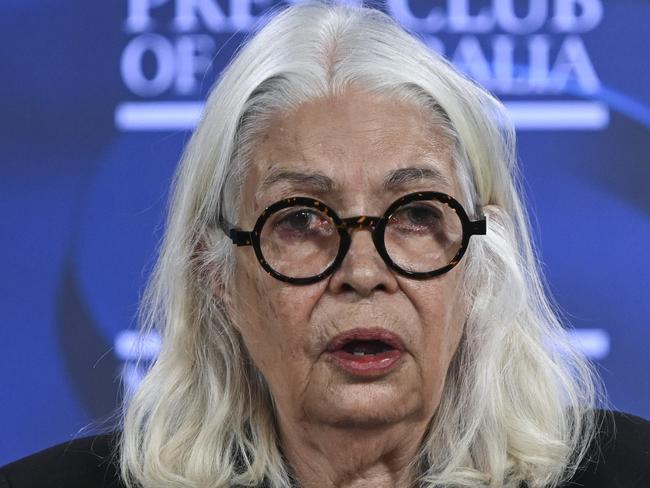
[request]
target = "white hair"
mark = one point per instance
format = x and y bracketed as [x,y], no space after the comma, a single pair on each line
[518,399]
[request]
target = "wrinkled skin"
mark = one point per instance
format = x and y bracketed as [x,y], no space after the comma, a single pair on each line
[335,429]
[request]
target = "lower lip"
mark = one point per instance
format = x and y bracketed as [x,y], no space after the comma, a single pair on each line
[368,365]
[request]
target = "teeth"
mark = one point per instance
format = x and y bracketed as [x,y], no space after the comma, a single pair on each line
[359,353]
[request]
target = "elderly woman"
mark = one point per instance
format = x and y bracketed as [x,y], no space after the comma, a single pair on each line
[347,292]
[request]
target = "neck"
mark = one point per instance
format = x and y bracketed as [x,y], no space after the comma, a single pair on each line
[324,456]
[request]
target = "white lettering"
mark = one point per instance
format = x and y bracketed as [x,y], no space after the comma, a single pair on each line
[539,47]
[568,20]
[190,14]
[139,14]
[507,18]
[132,68]
[469,57]
[516,64]
[240,14]
[460,19]
[401,11]
[573,64]
[512,70]
[194,54]
[520,78]
[503,63]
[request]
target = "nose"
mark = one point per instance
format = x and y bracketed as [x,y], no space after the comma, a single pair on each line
[363,271]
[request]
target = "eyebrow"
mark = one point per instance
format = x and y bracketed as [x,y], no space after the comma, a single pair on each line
[320,183]
[311,180]
[415,174]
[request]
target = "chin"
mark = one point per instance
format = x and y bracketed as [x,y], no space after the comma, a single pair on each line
[364,406]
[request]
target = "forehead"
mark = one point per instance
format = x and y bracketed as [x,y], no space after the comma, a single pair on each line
[357,141]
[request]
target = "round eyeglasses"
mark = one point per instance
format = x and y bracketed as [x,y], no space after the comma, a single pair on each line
[301,240]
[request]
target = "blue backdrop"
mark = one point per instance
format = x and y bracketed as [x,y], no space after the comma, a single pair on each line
[98,99]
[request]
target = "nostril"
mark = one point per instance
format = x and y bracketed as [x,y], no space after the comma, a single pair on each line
[346,287]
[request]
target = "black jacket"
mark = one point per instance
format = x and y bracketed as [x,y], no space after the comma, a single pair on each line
[619,459]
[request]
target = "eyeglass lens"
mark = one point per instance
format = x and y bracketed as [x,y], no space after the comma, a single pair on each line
[299,242]
[423,236]
[420,236]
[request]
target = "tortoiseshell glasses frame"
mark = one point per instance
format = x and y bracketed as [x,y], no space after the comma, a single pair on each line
[344,226]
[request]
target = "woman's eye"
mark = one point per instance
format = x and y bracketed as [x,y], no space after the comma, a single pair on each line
[417,216]
[421,215]
[299,220]
[304,222]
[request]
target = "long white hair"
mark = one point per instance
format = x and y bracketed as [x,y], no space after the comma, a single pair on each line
[518,399]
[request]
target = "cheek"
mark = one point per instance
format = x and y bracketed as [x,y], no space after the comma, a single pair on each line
[252,303]
[274,320]
[442,314]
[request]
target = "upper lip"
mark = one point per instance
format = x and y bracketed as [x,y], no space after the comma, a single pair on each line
[360,334]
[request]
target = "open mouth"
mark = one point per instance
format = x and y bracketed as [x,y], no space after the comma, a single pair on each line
[365,341]
[366,352]
[364,347]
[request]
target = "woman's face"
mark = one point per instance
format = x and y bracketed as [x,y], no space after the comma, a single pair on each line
[356,142]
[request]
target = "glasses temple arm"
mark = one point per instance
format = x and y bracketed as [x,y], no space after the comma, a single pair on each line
[478,227]
[240,237]
[237,236]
